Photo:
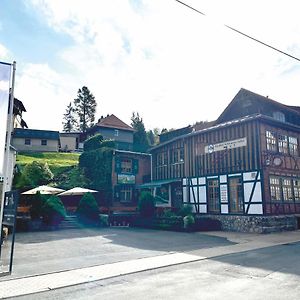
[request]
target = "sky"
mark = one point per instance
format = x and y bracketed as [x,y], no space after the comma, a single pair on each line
[155,57]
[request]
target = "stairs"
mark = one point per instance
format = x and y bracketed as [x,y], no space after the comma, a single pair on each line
[70,222]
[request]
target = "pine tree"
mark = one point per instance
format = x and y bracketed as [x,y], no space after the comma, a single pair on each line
[69,122]
[140,140]
[85,108]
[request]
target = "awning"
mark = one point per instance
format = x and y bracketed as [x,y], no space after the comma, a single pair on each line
[158,183]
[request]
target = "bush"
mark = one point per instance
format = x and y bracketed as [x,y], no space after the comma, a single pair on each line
[188,222]
[93,143]
[146,205]
[53,211]
[88,210]
[97,166]
[37,173]
[185,210]
[36,208]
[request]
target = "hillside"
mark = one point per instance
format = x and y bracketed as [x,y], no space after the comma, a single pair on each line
[64,166]
[55,160]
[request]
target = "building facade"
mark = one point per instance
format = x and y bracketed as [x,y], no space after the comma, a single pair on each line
[112,128]
[129,171]
[34,140]
[70,141]
[247,164]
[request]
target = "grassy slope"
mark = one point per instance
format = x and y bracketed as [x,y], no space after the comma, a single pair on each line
[55,160]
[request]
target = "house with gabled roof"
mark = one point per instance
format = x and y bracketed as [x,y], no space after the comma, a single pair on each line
[112,128]
[243,170]
[35,140]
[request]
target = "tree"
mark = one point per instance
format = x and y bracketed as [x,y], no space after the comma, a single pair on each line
[146,204]
[69,121]
[140,140]
[153,136]
[88,210]
[85,108]
[93,143]
[53,211]
[37,173]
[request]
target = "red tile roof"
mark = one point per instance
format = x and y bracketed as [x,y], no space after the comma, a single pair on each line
[111,121]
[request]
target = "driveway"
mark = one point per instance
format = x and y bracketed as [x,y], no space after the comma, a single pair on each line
[54,251]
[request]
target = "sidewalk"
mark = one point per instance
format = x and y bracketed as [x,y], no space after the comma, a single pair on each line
[245,242]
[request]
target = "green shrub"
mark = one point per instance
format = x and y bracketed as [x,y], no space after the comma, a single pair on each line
[188,221]
[53,211]
[185,210]
[146,204]
[167,213]
[88,210]
[93,143]
[37,173]
[97,166]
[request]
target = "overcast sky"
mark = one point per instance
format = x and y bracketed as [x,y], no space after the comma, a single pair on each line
[157,57]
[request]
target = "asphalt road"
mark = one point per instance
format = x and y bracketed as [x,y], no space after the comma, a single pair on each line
[54,251]
[262,266]
[269,273]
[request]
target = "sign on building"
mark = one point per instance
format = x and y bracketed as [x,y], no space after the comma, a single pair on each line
[242,142]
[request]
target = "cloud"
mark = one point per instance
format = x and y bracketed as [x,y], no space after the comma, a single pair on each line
[44,93]
[4,53]
[158,58]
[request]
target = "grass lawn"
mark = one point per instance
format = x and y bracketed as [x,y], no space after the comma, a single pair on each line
[57,161]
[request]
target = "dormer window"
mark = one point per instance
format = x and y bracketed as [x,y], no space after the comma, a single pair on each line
[278,115]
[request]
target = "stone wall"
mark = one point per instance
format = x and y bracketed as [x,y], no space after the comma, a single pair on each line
[256,224]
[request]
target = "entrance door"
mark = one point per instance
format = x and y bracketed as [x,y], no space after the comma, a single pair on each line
[213,193]
[236,204]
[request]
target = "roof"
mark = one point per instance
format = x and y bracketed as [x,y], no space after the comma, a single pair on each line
[246,95]
[131,152]
[230,123]
[35,134]
[111,121]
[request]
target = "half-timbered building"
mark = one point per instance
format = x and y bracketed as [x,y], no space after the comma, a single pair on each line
[244,167]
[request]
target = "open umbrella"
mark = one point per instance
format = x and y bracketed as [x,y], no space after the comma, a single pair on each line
[76,191]
[43,189]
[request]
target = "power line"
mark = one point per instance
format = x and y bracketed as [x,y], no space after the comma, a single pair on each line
[241,33]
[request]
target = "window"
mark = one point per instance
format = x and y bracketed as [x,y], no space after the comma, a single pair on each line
[162,159]
[213,196]
[235,195]
[116,133]
[278,115]
[27,141]
[287,189]
[126,194]
[293,145]
[177,155]
[275,188]
[126,166]
[296,186]
[44,142]
[271,141]
[282,143]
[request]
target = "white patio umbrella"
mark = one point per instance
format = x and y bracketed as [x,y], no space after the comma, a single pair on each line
[76,191]
[43,189]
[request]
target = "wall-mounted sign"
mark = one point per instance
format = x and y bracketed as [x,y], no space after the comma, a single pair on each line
[223,193]
[242,142]
[126,179]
